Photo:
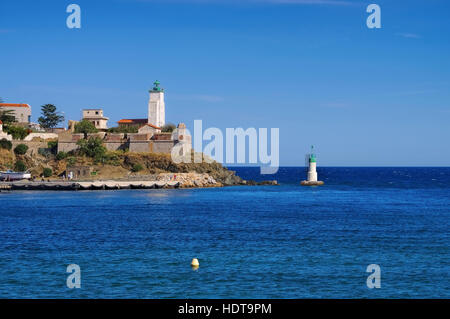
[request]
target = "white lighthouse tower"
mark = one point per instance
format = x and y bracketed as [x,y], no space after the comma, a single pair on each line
[156,106]
[312,172]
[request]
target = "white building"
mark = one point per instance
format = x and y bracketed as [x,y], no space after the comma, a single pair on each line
[95,116]
[22,112]
[149,129]
[156,106]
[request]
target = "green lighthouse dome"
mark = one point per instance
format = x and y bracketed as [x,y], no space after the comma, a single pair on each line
[156,87]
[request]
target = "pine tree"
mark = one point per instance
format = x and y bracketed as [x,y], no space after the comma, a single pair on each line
[50,118]
[7,116]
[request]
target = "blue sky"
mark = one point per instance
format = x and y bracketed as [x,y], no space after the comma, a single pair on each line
[364,97]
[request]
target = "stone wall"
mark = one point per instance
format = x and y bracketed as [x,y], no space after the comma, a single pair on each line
[116,146]
[115,142]
[140,147]
[68,142]
[33,146]
[5,136]
[44,136]
[79,171]
[163,146]
[134,142]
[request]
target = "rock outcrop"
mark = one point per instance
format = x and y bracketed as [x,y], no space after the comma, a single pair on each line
[188,180]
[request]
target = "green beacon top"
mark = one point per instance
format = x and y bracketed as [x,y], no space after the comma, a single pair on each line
[156,87]
[312,156]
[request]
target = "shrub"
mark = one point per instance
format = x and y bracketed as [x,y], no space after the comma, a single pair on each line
[53,146]
[168,128]
[85,127]
[46,152]
[61,155]
[137,168]
[17,132]
[92,147]
[20,166]
[21,149]
[124,129]
[4,143]
[71,161]
[47,172]
[109,158]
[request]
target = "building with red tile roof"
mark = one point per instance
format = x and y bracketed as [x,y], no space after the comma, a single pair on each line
[133,122]
[21,112]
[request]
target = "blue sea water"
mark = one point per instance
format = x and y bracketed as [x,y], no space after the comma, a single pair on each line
[284,241]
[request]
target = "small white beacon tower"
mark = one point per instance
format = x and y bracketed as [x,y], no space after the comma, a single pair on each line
[312,170]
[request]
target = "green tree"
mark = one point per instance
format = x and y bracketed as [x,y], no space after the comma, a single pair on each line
[21,149]
[92,147]
[20,166]
[47,172]
[85,127]
[61,155]
[50,117]
[7,116]
[168,128]
[4,143]
[17,132]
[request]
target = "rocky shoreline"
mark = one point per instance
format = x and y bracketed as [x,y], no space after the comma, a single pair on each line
[189,180]
[126,167]
[160,181]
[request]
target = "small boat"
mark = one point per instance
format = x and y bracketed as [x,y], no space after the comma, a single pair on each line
[10,175]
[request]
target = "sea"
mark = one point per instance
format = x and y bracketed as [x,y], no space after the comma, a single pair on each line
[389,226]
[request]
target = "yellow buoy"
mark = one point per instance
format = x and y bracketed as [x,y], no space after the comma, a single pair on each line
[194,263]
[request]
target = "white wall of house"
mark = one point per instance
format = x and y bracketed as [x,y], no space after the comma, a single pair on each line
[21,113]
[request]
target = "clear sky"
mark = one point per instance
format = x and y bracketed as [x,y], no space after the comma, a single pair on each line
[363,97]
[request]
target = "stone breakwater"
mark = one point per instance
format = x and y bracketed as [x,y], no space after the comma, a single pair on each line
[162,180]
[97,185]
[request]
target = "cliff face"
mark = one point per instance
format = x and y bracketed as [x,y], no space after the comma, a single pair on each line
[6,159]
[122,165]
[162,163]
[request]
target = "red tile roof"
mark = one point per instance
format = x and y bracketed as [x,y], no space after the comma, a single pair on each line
[13,105]
[133,121]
